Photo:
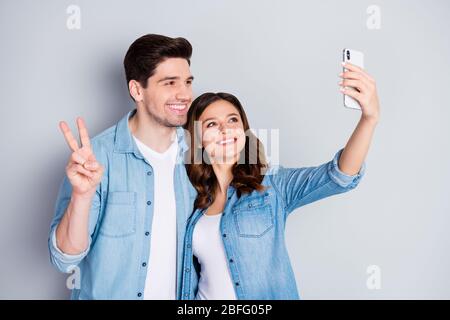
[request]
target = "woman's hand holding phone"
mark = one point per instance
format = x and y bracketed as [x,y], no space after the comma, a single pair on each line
[362,89]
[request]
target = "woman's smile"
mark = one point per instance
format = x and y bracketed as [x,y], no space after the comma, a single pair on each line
[225,142]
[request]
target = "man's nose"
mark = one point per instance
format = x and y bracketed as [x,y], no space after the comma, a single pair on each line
[184,93]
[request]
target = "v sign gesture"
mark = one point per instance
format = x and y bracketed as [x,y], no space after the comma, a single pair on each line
[83,170]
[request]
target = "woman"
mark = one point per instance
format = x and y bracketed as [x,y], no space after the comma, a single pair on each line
[234,245]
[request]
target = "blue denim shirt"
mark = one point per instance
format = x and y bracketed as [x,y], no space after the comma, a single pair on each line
[120,219]
[253,229]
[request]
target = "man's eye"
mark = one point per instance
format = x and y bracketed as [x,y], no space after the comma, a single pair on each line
[170,83]
[189,82]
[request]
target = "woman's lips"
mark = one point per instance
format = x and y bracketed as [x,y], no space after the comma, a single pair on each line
[226,141]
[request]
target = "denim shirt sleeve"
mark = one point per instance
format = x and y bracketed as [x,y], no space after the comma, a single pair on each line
[65,262]
[300,186]
[62,261]
[68,259]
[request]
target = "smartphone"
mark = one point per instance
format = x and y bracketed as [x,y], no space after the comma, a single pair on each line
[357,58]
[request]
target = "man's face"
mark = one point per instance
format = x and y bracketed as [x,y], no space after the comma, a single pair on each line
[168,95]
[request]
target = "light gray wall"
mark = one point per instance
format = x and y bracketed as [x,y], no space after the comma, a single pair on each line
[281,58]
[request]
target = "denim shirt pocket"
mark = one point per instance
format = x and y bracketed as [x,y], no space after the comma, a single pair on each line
[253,216]
[119,218]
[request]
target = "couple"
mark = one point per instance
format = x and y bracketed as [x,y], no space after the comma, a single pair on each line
[142,218]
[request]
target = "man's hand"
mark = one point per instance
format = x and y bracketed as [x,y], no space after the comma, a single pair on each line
[83,170]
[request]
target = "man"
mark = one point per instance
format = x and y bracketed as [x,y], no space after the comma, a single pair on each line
[121,211]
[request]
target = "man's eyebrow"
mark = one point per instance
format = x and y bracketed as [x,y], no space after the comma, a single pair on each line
[212,118]
[173,78]
[168,78]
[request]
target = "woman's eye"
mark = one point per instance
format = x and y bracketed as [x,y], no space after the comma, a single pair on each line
[234,119]
[209,125]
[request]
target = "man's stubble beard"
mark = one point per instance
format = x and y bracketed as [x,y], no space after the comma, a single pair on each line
[166,122]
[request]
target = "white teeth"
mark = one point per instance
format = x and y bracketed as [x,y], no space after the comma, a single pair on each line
[226,141]
[177,106]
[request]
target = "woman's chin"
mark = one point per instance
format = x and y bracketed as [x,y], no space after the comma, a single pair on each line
[225,159]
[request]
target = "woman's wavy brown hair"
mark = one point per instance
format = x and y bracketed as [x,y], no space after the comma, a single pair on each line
[247,176]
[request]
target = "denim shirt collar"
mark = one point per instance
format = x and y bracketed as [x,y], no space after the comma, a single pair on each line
[124,142]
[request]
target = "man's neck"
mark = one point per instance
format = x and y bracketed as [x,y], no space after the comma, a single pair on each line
[153,134]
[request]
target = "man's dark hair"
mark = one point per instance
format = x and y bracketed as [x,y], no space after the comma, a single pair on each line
[148,51]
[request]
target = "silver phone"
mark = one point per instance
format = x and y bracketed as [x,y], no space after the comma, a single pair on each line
[357,58]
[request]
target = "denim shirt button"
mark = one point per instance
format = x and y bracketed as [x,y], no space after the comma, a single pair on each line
[149,202]
[139,294]
[149,173]
[187,270]
[224,235]
[147,233]
[144,264]
[231,260]
[237,283]
[189,246]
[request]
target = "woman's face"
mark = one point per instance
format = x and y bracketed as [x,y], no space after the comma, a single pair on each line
[223,135]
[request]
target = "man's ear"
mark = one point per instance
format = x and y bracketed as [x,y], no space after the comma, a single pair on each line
[135,90]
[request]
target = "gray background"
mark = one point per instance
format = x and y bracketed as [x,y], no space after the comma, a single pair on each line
[281,58]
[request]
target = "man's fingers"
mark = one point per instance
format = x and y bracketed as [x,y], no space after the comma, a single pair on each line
[91,165]
[78,168]
[84,135]
[77,158]
[92,157]
[73,144]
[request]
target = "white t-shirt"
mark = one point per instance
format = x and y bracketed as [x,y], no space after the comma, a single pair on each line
[215,281]
[160,282]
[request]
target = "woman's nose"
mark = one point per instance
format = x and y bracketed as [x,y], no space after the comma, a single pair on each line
[223,128]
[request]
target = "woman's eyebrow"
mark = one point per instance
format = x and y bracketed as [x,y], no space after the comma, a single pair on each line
[212,118]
